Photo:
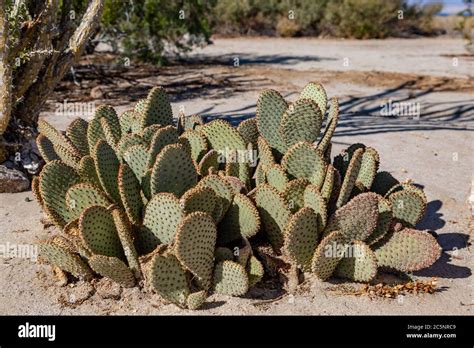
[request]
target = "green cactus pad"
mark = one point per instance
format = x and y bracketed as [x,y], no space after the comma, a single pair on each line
[98,232]
[274,213]
[108,113]
[241,220]
[113,269]
[408,186]
[55,180]
[302,121]
[197,142]
[328,254]
[368,169]
[237,185]
[316,92]
[383,222]
[249,131]
[270,109]
[63,258]
[129,140]
[358,264]
[408,207]
[129,189]
[124,231]
[190,122]
[408,250]
[222,136]
[222,254]
[77,133]
[195,244]
[230,278]
[255,271]
[66,156]
[87,171]
[221,187]
[331,124]
[265,152]
[328,184]
[239,169]
[163,214]
[111,138]
[137,158]
[125,121]
[146,241]
[174,171]
[82,196]
[301,238]
[35,189]
[350,178]
[94,134]
[303,160]
[208,161]
[313,199]
[357,219]
[168,279]
[165,136]
[383,182]
[276,177]
[199,199]
[46,148]
[156,108]
[149,132]
[56,137]
[196,300]
[260,176]
[294,192]
[107,166]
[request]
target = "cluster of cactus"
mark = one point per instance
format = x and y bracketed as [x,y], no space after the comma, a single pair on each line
[177,208]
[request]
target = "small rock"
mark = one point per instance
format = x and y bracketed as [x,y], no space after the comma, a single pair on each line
[78,294]
[12,180]
[108,289]
[97,92]
[28,199]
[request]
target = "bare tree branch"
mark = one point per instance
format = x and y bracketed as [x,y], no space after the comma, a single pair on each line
[5,71]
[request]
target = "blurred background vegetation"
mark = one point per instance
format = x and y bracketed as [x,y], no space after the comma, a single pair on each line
[145,29]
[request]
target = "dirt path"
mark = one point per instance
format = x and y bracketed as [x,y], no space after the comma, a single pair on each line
[435,149]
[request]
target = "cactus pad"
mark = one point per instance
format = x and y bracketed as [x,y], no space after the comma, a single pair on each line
[63,258]
[328,254]
[408,207]
[174,171]
[112,268]
[163,214]
[314,200]
[301,238]
[107,166]
[221,187]
[87,172]
[199,199]
[248,131]
[82,196]
[301,122]
[359,265]
[197,142]
[255,271]
[383,222]
[294,192]
[274,213]
[129,189]
[315,92]
[208,161]
[165,136]
[303,160]
[222,136]
[276,177]
[331,124]
[230,278]
[408,250]
[368,169]
[156,108]
[265,152]
[196,300]
[350,177]
[383,182]
[46,148]
[222,254]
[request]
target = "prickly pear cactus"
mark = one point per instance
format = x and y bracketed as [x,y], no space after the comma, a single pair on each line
[182,209]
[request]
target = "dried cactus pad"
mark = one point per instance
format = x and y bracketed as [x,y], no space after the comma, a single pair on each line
[99,233]
[303,160]
[328,254]
[195,244]
[222,136]
[274,213]
[196,300]
[199,199]
[270,109]
[302,121]
[230,278]
[112,268]
[168,279]
[174,171]
[82,196]
[301,238]
[357,219]
[358,264]
[408,250]
[107,166]
[255,271]
[163,214]
[317,93]
[63,258]
[241,220]
[55,180]
[408,207]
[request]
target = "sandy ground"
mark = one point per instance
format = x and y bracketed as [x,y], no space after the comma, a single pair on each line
[435,149]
